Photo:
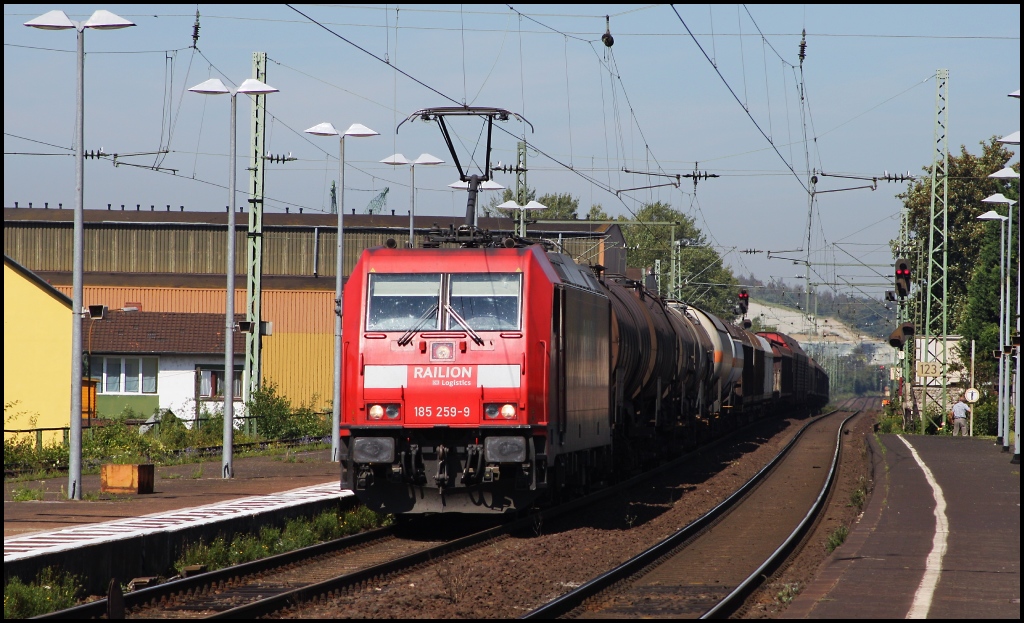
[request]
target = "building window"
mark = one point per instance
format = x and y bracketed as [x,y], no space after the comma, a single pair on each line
[124,375]
[211,382]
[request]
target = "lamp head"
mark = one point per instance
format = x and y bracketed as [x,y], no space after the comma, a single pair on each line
[1006,173]
[253,86]
[485,185]
[53,20]
[427,159]
[323,129]
[105,20]
[991,215]
[358,129]
[213,86]
[1011,139]
[998,198]
[395,160]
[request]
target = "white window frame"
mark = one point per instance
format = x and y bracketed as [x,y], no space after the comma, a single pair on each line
[101,385]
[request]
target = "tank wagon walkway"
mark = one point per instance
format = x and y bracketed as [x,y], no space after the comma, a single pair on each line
[941,542]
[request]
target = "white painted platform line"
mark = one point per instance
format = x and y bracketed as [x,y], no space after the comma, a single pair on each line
[933,564]
[63,539]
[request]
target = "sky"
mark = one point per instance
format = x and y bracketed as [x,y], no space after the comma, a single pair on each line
[717,89]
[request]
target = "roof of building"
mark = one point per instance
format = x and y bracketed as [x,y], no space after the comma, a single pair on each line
[36,279]
[115,216]
[189,280]
[158,333]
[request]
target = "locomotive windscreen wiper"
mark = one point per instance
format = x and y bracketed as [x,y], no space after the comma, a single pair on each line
[407,336]
[473,334]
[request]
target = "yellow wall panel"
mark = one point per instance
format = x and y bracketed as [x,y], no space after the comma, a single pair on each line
[37,357]
[302,367]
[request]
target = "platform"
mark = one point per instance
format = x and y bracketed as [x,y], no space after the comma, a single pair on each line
[137,535]
[899,562]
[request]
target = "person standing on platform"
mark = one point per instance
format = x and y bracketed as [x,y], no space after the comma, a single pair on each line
[959,416]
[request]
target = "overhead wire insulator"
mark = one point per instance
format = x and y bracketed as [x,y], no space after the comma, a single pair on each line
[803,46]
[607,37]
[195,30]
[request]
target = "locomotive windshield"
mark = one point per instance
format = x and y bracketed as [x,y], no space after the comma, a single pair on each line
[412,301]
[486,301]
[401,301]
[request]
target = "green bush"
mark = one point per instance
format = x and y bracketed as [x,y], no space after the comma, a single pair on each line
[277,419]
[986,414]
[120,443]
[51,590]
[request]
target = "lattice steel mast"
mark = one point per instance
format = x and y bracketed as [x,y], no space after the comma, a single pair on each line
[254,245]
[936,325]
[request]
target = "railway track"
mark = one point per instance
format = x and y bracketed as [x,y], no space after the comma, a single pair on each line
[283,582]
[708,568]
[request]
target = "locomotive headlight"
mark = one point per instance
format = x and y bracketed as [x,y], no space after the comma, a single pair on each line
[493,411]
[376,412]
[391,411]
[505,449]
[373,450]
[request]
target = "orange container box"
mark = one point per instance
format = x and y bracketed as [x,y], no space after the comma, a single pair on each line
[127,478]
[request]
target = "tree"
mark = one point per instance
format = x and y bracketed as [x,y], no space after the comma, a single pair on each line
[597,213]
[704,280]
[968,184]
[560,206]
[973,246]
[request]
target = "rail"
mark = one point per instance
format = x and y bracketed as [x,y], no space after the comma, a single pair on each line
[573,599]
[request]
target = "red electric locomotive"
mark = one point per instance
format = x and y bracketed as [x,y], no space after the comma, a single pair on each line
[461,368]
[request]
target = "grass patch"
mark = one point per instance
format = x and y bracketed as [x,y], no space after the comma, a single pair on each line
[27,494]
[296,534]
[837,538]
[859,495]
[52,590]
[789,591]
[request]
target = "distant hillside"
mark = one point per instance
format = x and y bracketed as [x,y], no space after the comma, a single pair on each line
[863,315]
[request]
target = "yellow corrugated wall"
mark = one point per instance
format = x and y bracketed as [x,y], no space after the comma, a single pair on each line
[37,357]
[298,357]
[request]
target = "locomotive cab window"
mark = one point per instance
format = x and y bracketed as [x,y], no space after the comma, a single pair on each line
[486,301]
[401,302]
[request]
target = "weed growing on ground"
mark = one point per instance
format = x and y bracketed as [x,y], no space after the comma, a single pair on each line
[859,494]
[27,494]
[296,534]
[52,590]
[197,473]
[789,591]
[837,538]
[454,580]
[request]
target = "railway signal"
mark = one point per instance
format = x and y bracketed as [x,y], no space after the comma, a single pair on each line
[898,337]
[744,301]
[902,278]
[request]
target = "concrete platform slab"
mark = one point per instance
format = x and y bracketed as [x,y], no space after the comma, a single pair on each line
[876,573]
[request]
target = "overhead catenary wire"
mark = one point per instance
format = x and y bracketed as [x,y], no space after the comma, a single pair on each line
[736,97]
